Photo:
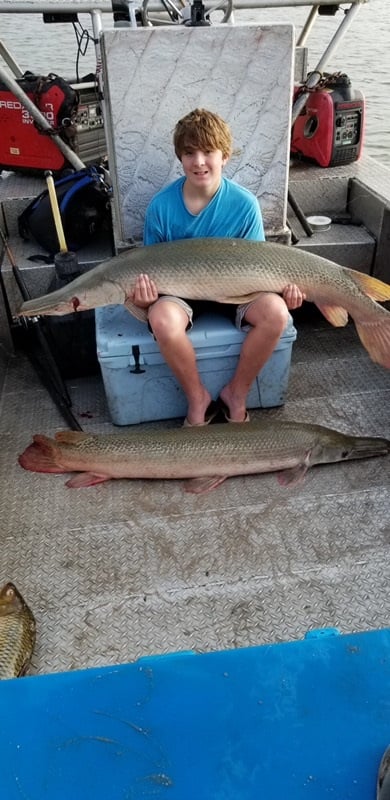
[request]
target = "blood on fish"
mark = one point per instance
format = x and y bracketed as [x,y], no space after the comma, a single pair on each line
[75,303]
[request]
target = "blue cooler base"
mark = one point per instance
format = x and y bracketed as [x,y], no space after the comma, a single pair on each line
[140,386]
[305,719]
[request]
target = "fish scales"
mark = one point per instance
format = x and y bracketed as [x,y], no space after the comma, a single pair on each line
[17,633]
[215,452]
[217,445]
[231,271]
[212,268]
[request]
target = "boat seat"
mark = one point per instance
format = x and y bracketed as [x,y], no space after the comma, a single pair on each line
[244,73]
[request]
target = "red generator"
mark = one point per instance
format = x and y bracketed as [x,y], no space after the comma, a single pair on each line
[22,146]
[329,130]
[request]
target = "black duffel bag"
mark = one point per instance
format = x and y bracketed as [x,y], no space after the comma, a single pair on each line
[84,203]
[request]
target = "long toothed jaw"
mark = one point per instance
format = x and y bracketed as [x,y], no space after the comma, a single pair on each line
[367,448]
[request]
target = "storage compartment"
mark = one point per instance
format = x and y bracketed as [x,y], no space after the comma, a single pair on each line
[140,386]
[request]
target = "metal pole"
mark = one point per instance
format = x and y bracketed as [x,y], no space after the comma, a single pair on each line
[303,36]
[316,75]
[57,7]
[14,87]
[97,28]
[6,55]
[105,6]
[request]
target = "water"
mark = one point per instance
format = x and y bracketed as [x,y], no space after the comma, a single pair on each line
[363,54]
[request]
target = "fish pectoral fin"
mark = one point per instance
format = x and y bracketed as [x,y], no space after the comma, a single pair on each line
[138,313]
[83,479]
[238,299]
[295,475]
[205,484]
[336,315]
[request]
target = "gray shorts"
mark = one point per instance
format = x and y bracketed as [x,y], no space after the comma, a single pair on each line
[239,318]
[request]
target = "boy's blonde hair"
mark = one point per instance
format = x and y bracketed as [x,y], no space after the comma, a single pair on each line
[202,130]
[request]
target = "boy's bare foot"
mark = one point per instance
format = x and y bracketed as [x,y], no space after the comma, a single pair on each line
[201,412]
[235,409]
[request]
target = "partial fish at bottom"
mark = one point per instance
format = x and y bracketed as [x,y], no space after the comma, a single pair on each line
[17,633]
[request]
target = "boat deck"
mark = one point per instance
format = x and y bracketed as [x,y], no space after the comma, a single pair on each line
[130,568]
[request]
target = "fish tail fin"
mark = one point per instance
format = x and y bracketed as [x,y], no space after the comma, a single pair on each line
[40,456]
[372,287]
[375,337]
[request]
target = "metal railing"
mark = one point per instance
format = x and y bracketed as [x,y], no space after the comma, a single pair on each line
[138,13]
[106,6]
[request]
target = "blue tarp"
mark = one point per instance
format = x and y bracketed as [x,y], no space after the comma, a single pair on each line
[302,719]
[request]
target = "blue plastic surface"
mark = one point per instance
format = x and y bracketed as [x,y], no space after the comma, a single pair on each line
[140,386]
[305,719]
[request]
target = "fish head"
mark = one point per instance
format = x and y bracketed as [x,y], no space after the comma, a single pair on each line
[11,600]
[333,446]
[78,295]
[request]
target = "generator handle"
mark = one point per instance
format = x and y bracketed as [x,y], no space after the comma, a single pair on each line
[315,76]
[16,90]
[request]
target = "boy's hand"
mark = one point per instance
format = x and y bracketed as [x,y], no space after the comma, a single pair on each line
[145,292]
[292,296]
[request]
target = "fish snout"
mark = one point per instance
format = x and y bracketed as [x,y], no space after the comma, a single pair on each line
[365,447]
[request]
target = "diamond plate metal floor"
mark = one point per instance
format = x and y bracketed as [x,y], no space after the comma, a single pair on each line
[127,568]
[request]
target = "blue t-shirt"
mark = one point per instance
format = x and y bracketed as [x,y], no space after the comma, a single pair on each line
[233,212]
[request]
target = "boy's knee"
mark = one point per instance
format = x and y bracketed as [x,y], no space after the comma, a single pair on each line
[282,315]
[167,320]
[270,311]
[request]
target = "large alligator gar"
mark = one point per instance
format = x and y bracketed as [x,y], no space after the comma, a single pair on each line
[207,455]
[231,271]
[17,633]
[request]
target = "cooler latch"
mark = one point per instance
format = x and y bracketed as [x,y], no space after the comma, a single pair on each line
[136,359]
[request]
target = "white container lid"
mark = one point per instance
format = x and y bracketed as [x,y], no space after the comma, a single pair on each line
[319,223]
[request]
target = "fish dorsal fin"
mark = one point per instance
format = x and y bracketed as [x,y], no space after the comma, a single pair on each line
[336,315]
[70,437]
[372,287]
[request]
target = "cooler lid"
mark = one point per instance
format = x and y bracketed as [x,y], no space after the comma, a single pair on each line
[117,331]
